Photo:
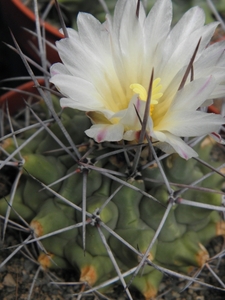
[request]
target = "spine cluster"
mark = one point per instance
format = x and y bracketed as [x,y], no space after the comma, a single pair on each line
[95,203]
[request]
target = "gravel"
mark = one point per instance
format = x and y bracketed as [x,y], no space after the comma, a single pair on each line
[20,273]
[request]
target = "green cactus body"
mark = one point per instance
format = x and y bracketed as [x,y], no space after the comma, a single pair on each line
[184,251]
[152,213]
[108,215]
[10,147]
[91,268]
[47,169]
[55,245]
[52,261]
[148,284]
[49,144]
[211,230]
[33,194]
[132,216]
[139,238]
[152,177]
[127,201]
[19,208]
[75,182]
[102,269]
[178,170]
[50,218]
[189,215]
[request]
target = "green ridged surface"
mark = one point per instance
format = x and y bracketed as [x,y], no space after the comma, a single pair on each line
[130,214]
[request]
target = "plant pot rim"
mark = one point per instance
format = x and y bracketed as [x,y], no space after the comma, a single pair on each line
[18,95]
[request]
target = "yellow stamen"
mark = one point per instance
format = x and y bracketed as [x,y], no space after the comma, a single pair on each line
[140,90]
[156,92]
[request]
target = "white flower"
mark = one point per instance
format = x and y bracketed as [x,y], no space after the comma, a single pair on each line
[106,70]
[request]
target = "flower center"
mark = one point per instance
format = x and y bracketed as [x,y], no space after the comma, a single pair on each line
[156,92]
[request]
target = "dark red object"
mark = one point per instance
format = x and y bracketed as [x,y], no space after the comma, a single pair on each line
[213,109]
[16,98]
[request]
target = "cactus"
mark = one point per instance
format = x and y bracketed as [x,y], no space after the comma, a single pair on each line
[90,210]
[130,214]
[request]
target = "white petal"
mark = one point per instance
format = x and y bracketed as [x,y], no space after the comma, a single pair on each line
[128,39]
[130,116]
[212,56]
[78,90]
[206,34]
[194,94]
[193,19]
[125,14]
[58,68]
[180,56]
[156,28]
[82,61]
[93,35]
[159,20]
[102,132]
[186,123]
[179,47]
[218,92]
[130,135]
[190,97]
[101,61]
[73,34]
[177,144]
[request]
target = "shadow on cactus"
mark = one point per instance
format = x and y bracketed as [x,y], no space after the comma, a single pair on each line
[121,210]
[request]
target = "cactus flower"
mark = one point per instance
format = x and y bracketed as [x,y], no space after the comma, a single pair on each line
[106,70]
